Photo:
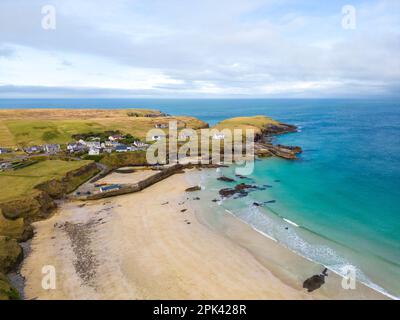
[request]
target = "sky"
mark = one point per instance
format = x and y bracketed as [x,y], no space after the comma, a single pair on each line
[199,49]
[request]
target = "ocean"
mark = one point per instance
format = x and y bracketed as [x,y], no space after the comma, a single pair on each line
[339,204]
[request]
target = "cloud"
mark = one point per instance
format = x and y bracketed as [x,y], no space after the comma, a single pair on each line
[236,47]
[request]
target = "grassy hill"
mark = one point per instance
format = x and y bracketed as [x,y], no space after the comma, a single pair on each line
[40,126]
[258,123]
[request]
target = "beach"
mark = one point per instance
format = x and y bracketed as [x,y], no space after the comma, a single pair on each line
[157,244]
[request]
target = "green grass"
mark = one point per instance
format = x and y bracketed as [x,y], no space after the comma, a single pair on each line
[21,182]
[256,122]
[35,132]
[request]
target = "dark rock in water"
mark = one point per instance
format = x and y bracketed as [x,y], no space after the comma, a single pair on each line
[267,186]
[192,189]
[277,180]
[270,201]
[226,179]
[240,190]
[316,281]
[286,228]
[214,200]
[257,204]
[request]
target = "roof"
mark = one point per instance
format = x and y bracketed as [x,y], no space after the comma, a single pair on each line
[110,187]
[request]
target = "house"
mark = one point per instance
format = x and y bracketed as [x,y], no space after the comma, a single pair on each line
[34,149]
[161,126]
[157,138]
[111,144]
[218,136]
[52,148]
[121,148]
[115,137]
[93,144]
[4,150]
[111,187]
[76,147]
[140,145]
[94,151]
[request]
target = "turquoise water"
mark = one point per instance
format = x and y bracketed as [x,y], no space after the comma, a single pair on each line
[343,193]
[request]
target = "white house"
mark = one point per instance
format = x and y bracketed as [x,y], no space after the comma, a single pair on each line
[93,144]
[115,137]
[218,136]
[4,150]
[140,144]
[161,126]
[52,148]
[94,151]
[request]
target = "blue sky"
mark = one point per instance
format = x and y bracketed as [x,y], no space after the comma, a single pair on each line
[208,48]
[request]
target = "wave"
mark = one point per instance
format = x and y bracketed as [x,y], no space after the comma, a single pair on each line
[316,253]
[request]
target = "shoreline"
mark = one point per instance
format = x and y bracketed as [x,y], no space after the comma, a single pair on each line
[143,246]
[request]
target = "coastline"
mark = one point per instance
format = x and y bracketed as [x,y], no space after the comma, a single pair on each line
[145,246]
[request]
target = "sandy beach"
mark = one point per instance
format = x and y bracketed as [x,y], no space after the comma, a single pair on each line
[155,244]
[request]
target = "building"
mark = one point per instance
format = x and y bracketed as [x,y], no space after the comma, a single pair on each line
[93,144]
[115,137]
[111,187]
[76,147]
[161,126]
[4,150]
[52,148]
[94,151]
[122,148]
[34,149]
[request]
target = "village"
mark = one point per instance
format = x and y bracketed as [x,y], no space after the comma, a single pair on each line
[92,145]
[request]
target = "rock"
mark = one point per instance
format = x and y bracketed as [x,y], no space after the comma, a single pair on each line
[316,281]
[196,198]
[225,179]
[183,210]
[240,190]
[214,200]
[270,201]
[257,204]
[192,189]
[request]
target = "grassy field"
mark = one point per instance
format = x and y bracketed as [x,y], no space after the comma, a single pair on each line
[40,126]
[21,182]
[256,122]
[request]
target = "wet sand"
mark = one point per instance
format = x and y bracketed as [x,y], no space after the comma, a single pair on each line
[156,244]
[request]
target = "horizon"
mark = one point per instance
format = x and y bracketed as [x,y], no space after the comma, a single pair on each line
[258,49]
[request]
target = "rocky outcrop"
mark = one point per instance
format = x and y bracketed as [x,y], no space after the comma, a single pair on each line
[192,189]
[225,179]
[240,190]
[17,215]
[269,150]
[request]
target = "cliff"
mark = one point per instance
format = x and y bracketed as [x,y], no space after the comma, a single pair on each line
[17,215]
